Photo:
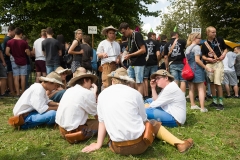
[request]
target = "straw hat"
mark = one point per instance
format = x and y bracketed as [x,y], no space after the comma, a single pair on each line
[104,31]
[161,72]
[60,70]
[120,73]
[80,75]
[52,77]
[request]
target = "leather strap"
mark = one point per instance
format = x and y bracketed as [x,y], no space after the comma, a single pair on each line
[172,47]
[128,143]
[210,49]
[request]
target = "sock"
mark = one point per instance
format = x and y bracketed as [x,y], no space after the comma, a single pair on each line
[165,135]
[214,99]
[220,100]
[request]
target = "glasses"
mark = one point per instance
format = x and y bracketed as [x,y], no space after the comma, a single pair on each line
[198,38]
[79,33]
[158,78]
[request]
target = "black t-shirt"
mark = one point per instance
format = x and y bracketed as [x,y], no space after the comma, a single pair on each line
[153,47]
[51,47]
[161,47]
[86,57]
[4,45]
[132,42]
[177,54]
[214,45]
[1,53]
[77,57]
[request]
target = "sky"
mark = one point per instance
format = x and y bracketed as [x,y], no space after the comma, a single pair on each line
[153,22]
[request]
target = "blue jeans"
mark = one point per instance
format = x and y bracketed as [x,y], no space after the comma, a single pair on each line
[35,119]
[160,115]
[176,71]
[136,72]
[58,96]
[149,70]
[51,68]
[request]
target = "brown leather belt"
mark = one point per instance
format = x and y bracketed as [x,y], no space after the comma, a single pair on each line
[179,124]
[128,143]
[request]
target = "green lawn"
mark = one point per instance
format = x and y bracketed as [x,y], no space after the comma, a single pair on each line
[216,135]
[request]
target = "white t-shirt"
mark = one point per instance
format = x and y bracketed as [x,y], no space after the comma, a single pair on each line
[74,107]
[121,109]
[111,48]
[229,61]
[34,98]
[172,100]
[38,49]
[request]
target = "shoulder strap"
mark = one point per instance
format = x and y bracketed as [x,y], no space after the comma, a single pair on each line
[172,47]
[210,49]
[135,40]
[218,46]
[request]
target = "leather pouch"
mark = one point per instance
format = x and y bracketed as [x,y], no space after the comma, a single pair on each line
[75,137]
[16,121]
[148,135]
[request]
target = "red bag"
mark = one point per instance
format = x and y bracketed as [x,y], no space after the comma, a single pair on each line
[187,72]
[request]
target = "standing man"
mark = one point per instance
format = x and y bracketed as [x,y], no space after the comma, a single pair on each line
[136,49]
[214,51]
[17,49]
[10,35]
[52,50]
[152,62]
[173,57]
[3,74]
[108,51]
[40,59]
[161,47]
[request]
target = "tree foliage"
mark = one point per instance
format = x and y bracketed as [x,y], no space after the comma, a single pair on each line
[68,15]
[223,15]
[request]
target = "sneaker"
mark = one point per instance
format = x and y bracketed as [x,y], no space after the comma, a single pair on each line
[228,96]
[195,107]
[220,107]
[236,96]
[213,104]
[187,96]
[204,110]
[183,147]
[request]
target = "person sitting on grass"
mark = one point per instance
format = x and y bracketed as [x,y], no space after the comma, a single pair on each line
[169,107]
[57,94]
[121,114]
[34,104]
[75,106]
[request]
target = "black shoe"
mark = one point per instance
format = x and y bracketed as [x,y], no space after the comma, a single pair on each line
[236,96]
[213,105]
[209,96]
[228,96]
[220,107]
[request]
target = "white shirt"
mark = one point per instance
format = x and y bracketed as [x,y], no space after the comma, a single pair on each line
[38,49]
[121,109]
[34,98]
[74,107]
[228,61]
[172,100]
[111,48]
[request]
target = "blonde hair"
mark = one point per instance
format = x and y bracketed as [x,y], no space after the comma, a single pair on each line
[124,82]
[191,38]
[208,29]
[75,32]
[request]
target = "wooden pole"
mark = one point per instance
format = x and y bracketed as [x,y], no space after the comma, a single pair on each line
[92,41]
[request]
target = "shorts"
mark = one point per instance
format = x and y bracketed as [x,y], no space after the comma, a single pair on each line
[230,78]
[176,71]
[3,71]
[40,66]
[136,72]
[19,70]
[9,66]
[149,70]
[217,76]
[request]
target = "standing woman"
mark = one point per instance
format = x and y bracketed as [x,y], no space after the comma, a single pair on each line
[193,55]
[76,50]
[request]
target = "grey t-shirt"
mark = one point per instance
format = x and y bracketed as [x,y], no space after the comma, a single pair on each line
[51,47]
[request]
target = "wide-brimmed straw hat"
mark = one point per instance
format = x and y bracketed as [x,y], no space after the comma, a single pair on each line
[60,70]
[161,72]
[52,77]
[80,75]
[120,73]
[104,31]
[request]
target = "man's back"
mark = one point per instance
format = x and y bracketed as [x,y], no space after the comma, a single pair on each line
[152,47]
[51,47]
[38,49]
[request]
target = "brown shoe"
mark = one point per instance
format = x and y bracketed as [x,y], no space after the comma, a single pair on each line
[182,147]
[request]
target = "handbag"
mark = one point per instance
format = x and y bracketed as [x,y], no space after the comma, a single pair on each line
[16,121]
[68,58]
[148,135]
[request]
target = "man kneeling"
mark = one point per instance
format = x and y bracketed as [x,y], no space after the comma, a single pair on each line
[75,105]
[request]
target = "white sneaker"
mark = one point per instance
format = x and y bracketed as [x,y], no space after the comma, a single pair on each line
[204,110]
[195,107]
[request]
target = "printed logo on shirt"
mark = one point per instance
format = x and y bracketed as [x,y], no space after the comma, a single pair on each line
[176,50]
[150,46]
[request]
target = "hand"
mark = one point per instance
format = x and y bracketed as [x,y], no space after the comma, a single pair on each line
[167,69]
[92,147]
[4,64]
[209,69]
[94,88]
[153,83]
[104,55]
[211,54]
[117,61]
[211,60]
[81,51]
[127,57]
[221,57]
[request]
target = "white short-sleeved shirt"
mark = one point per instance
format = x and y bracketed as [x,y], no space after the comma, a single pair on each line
[229,61]
[34,98]
[74,107]
[111,48]
[173,101]
[121,109]
[38,49]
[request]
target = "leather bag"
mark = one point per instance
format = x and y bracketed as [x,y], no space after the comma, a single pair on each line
[75,137]
[16,121]
[148,135]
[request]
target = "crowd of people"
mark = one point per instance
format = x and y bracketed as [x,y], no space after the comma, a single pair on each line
[124,108]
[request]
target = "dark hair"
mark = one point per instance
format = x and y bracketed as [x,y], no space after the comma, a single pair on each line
[163,37]
[61,39]
[81,81]
[123,25]
[87,39]
[49,31]
[18,31]
[150,34]
[174,34]
[11,28]
[123,38]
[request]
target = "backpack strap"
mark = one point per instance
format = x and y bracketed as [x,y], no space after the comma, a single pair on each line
[172,47]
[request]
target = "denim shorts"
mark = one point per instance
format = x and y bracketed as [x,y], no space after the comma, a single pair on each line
[176,71]
[51,68]
[19,70]
[136,72]
[149,70]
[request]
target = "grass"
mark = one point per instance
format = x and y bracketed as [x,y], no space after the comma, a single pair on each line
[216,135]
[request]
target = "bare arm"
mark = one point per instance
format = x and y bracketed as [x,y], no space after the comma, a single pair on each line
[142,50]
[153,85]
[71,49]
[158,55]
[166,62]
[27,52]
[60,52]
[52,106]
[223,55]
[3,61]
[200,63]
[7,52]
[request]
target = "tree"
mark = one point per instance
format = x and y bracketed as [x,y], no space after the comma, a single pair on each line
[68,15]
[223,15]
